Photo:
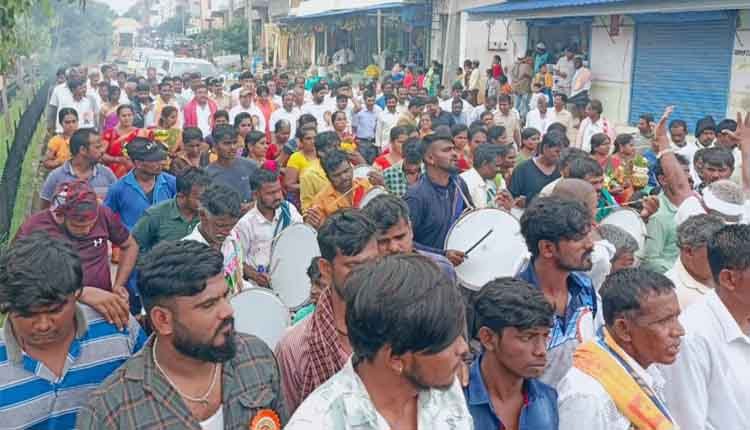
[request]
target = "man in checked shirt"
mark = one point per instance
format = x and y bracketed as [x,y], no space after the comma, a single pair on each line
[195,372]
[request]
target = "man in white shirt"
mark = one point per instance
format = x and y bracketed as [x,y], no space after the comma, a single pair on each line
[79,101]
[490,104]
[246,105]
[540,118]
[609,386]
[261,224]
[385,122]
[288,112]
[594,123]
[405,323]
[318,108]
[564,71]
[691,273]
[247,82]
[563,116]
[509,118]
[480,179]
[447,104]
[708,387]
[723,198]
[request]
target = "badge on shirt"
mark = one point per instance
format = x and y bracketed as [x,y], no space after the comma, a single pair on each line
[265,419]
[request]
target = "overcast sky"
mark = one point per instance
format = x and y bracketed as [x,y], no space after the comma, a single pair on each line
[120,6]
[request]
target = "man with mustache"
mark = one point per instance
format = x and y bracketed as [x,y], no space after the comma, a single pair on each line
[440,196]
[405,322]
[261,224]
[219,211]
[610,386]
[513,321]
[195,371]
[558,236]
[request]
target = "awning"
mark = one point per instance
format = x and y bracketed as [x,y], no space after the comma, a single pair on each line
[514,7]
[312,9]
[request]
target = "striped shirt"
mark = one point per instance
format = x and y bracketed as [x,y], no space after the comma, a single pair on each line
[32,397]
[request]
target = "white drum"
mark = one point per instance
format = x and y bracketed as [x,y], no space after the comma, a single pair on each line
[361,172]
[370,195]
[259,312]
[630,221]
[291,253]
[501,253]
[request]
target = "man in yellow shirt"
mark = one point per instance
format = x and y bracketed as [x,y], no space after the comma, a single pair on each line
[313,180]
[343,191]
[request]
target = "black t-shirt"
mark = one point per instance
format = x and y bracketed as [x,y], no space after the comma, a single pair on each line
[528,180]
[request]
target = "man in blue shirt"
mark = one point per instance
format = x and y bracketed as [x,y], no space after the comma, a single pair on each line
[558,236]
[513,320]
[145,186]
[387,90]
[440,196]
[364,124]
[54,351]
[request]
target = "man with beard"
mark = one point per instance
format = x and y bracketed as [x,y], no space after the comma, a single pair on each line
[513,320]
[261,224]
[49,340]
[405,322]
[76,216]
[219,212]
[195,371]
[287,112]
[558,236]
[609,386]
[440,196]
[86,149]
[394,234]
[143,106]
[318,347]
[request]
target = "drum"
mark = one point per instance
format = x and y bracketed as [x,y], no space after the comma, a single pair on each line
[291,253]
[501,253]
[361,172]
[630,221]
[370,195]
[259,312]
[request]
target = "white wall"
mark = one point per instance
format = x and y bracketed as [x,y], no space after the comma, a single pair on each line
[612,67]
[476,37]
[739,94]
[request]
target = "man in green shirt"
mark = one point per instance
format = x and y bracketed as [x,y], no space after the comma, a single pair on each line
[661,249]
[175,218]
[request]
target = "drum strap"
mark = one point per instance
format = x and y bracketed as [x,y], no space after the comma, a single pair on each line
[459,204]
[284,220]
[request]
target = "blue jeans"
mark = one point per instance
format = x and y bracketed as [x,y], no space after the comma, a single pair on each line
[522,104]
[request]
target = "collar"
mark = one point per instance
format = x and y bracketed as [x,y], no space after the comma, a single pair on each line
[173,212]
[730,329]
[15,352]
[577,282]
[666,204]
[477,393]
[131,181]
[255,214]
[68,168]
[687,279]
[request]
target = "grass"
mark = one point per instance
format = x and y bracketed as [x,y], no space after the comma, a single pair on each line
[30,177]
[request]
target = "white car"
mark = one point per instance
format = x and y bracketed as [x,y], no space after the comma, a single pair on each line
[178,66]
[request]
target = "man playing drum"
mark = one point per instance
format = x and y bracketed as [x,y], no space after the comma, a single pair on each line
[318,347]
[343,192]
[261,224]
[440,196]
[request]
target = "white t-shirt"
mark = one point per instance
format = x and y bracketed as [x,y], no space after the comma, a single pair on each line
[282,113]
[84,107]
[319,112]
[253,111]
[215,421]
[535,119]
[204,118]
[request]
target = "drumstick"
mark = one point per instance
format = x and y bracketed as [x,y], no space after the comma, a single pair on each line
[632,202]
[486,235]
[343,195]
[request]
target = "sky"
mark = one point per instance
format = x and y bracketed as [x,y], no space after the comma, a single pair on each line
[119,6]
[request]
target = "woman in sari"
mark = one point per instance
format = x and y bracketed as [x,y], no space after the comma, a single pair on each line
[108,112]
[117,138]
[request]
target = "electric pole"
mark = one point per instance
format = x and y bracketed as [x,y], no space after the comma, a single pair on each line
[249,11]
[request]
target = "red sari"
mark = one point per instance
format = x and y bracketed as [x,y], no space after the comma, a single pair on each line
[115,146]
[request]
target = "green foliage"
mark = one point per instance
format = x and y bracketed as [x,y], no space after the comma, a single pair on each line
[231,40]
[82,33]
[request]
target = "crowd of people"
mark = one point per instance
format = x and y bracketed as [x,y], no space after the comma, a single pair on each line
[183,184]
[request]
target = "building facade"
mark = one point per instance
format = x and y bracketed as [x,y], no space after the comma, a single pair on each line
[644,55]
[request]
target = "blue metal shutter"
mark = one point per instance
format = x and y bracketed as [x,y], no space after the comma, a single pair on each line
[684,62]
